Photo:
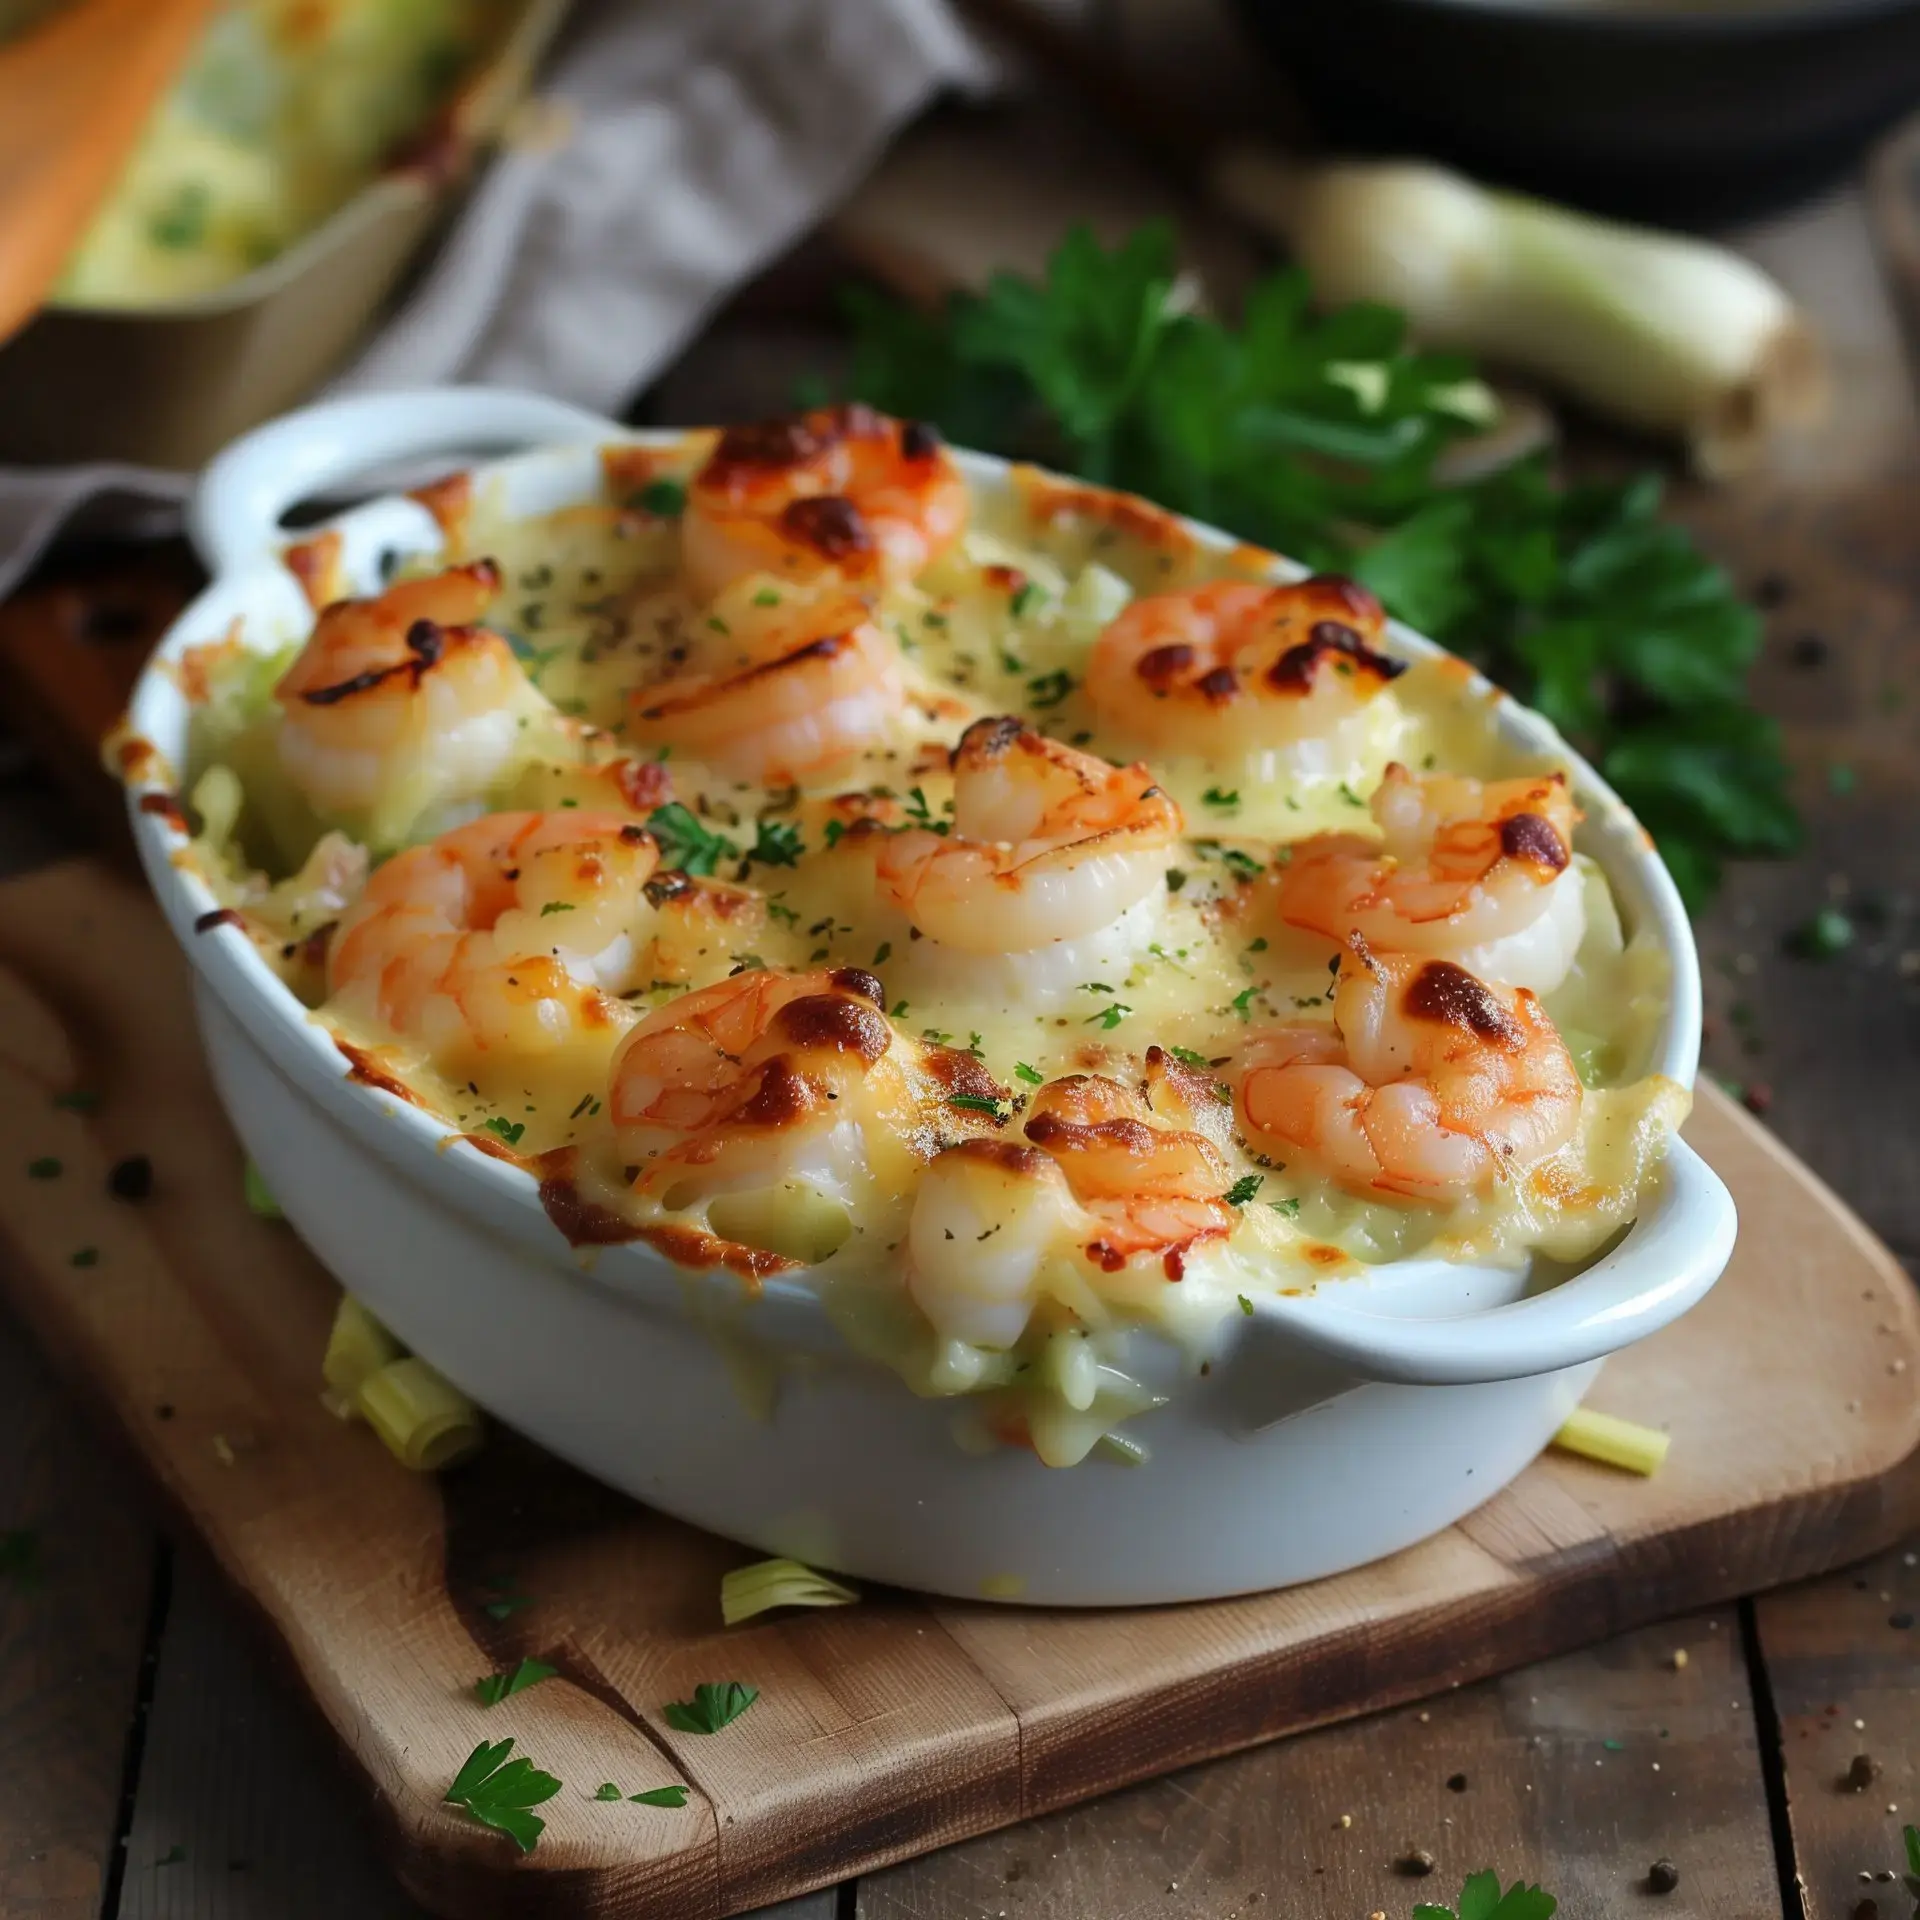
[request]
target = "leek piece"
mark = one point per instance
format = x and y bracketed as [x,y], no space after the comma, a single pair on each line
[260,1200]
[425,1421]
[357,1348]
[1674,335]
[217,798]
[777,1583]
[1618,1443]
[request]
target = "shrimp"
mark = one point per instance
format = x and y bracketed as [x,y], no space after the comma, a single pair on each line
[508,935]
[797,695]
[843,492]
[755,1080]
[399,704]
[1238,669]
[1478,871]
[1429,1085]
[1048,844]
[1103,1179]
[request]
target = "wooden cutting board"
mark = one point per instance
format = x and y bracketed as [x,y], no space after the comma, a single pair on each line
[894,1726]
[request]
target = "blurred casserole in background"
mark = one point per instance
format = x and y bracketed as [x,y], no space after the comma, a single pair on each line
[275,197]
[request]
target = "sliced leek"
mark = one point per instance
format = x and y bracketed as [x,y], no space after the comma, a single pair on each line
[1670,334]
[1616,1442]
[425,1421]
[777,1583]
[357,1348]
[260,1200]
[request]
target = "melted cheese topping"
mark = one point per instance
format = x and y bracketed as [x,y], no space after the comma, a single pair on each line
[591,602]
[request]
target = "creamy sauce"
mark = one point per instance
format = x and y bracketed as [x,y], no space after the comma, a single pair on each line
[591,604]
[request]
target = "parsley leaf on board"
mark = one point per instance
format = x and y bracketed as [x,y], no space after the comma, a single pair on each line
[500,1793]
[1481,1899]
[675,1796]
[495,1687]
[715,1704]
[1317,434]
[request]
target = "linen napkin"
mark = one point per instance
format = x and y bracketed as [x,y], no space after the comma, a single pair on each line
[694,141]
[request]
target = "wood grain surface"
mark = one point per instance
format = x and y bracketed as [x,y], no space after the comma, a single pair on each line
[888,1729]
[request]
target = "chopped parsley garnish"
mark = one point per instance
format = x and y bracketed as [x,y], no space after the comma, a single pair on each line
[686,841]
[832,832]
[1349,796]
[1109,1017]
[1026,594]
[767,597]
[496,1687]
[556,906]
[783,913]
[1245,1188]
[1049,689]
[1175,879]
[508,1130]
[1221,796]
[715,1704]
[1246,1305]
[84,1257]
[776,844]
[882,953]
[500,1793]
[45,1168]
[1243,1002]
[1287,1209]
[977,1103]
[1189,1058]
[182,222]
[665,499]
[675,1796]
[1021,1071]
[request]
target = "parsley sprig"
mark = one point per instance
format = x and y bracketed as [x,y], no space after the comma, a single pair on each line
[1481,1899]
[1318,434]
[715,1704]
[500,1793]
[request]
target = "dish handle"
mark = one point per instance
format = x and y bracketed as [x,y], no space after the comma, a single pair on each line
[235,513]
[1668,1259]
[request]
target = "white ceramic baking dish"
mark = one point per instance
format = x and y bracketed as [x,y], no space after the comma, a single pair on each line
[1326,1430]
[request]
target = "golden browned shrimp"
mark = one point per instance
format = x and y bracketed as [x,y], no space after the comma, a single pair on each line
[505,937]
[1429,1084]
[1103,1181]
[1478,871]
[399,703]
[1233,669]
[797,694]
[842,492]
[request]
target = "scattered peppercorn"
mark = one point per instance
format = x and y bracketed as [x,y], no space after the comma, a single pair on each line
[1809,651]
[131,1178]
[1770,591]
[1663,1876]
[1861,1775]
[1901,1621]
[1417,1864]
[1456,1783]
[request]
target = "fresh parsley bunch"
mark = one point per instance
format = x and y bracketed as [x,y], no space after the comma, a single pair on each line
[1318,434]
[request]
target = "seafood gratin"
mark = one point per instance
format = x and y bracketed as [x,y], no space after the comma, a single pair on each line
[1030,921]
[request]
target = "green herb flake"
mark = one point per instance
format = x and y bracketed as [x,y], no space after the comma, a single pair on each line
[508,1130]
[1243,1002]
[882,953]
[606,1790]
[80,1100]
[1026,595]
[182,222]
[84,1257]
[665,499]
[767,597]
[45,1168]
[495,1687]
[556,906]
[1245,1188]
[977,1103]
[1286,1209]
[1826,936]
[687,842]
[1246,1305]
[1188,1057]
[1221,797]
[1108,1017]
[1049,689]
[1175,879]
[1033,1078]
[715,1704]
[500,1792]
[675,1796]
[777,844]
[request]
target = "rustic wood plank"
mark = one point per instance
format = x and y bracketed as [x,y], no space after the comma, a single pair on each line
[73,1628]
[1577,1774]
[1842,1659]
[903,1725]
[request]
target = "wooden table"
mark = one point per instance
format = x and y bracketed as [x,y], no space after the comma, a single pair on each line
[154,1764]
